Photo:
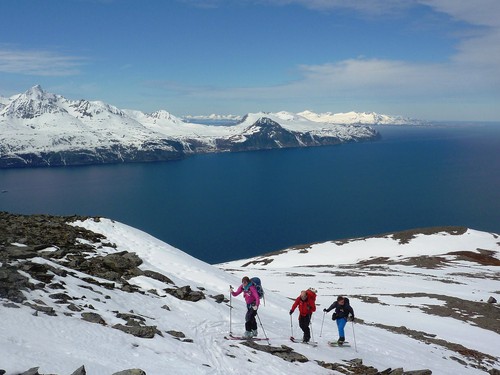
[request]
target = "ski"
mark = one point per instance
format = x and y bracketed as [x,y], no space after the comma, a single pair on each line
[336,344]
[312,343]
[241,338]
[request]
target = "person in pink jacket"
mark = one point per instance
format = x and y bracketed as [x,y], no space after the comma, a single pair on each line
[253,301]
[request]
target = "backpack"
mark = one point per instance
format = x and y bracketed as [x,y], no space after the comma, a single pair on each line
[258,285]
[311,294]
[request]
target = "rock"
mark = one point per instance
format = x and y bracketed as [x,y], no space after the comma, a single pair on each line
[45,309]
[492,300]
[110,267]
[95,282]
[158,276]
[132,319]
[356,361]
[186,294]
[494,371]
[16,252]
[73,307]
[134,371]
[121,262]
[38,271]
[147,332]
[80,371]
[62,297]
[31,371]
[418,372]
[12,306]
[93,318]
[397,371]
[219,298]
[176,334]
[284,352]
[12,282]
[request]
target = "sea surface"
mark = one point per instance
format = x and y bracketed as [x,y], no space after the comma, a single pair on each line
[221,207]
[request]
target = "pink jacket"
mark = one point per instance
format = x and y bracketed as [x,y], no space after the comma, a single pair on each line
[250,295]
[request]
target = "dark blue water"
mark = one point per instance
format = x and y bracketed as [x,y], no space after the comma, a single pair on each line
[227,206]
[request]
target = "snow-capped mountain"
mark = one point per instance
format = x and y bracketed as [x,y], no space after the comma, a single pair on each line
[44,129]
[360,118]
[348,118]
[96,293]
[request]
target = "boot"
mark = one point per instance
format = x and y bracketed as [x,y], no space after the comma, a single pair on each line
[341,340]
[254,333]
[247,334]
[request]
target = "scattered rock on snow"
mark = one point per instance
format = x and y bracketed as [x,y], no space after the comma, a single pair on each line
[134,371]
[93,318]
[186,294]
[284,352]
[146,332]
[177,334]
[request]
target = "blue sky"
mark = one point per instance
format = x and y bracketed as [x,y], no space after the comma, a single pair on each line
[427,59]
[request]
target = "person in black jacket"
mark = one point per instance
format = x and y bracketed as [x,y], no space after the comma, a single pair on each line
[343,312]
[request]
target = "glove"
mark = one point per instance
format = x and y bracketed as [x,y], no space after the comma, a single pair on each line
[350,318]
[254,307]
[231,288]
[325,310]
[291,312]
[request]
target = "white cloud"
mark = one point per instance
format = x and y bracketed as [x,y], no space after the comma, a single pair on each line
[38,62]
[475,12]
[363,6]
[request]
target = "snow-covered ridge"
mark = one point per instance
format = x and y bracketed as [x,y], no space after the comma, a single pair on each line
[45,129]
[364,118]
[347,118]
[81,303]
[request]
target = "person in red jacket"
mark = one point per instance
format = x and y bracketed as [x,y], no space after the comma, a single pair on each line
[307,305]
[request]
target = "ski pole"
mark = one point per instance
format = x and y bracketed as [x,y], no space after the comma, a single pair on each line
[230,311]
[263,330]
[354,336]
[322,321]
[291,327]
[311,325]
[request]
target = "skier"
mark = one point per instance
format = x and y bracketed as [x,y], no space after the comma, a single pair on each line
[343,313]
[252,300]
[306,303]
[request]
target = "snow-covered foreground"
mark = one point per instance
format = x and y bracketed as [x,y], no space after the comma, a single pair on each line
[385,294]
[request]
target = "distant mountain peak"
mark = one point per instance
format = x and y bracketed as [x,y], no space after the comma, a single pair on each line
[32,103]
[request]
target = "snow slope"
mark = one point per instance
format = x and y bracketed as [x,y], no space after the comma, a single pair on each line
[390,295]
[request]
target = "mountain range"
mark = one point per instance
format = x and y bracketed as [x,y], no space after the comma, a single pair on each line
[39,128]
[91,295]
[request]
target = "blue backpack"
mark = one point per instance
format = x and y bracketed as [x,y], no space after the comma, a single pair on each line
[258,285]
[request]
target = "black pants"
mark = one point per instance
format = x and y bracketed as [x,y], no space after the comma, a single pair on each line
[250,322]
[304,325]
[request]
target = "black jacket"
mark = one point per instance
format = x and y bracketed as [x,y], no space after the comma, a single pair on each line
[341,311]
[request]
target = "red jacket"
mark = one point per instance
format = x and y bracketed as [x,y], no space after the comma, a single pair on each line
[305,307]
